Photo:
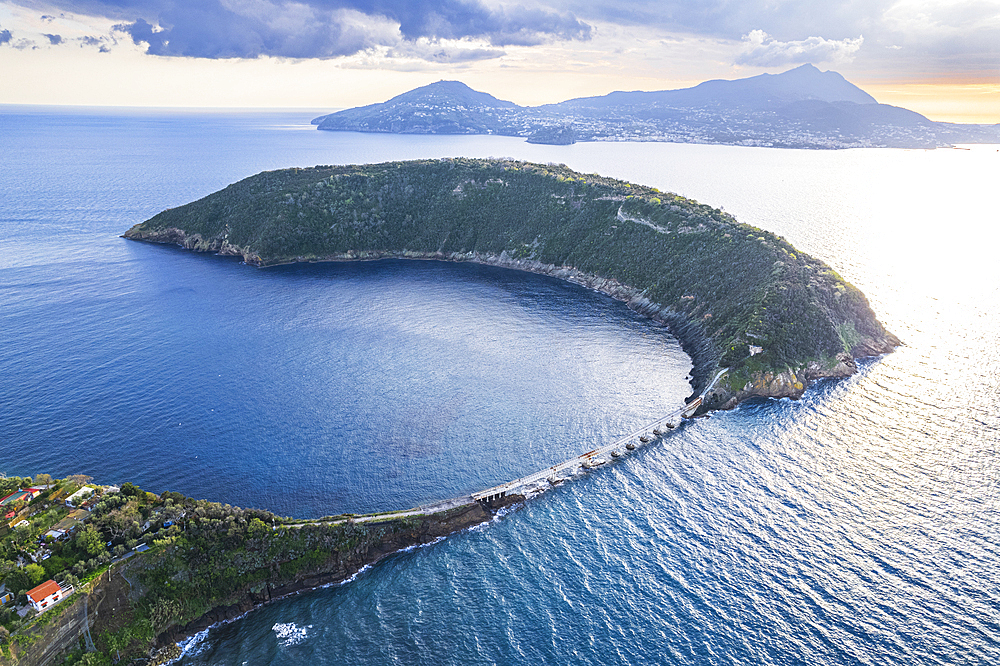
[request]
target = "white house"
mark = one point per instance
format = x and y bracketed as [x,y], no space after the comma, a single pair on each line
[47,595]
[80,496]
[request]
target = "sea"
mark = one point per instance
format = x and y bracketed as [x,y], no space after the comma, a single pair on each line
[857,525]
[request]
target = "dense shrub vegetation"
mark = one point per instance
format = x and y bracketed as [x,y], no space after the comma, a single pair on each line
[195,556]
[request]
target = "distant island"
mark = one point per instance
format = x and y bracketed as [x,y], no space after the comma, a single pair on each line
[736,296]
[800,108]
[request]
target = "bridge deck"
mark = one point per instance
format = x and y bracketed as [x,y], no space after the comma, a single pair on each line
[596,457]
[599,455]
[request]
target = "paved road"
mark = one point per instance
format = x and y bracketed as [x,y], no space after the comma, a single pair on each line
[426,509]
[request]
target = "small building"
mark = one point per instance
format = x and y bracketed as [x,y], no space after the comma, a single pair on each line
[56,534]
[47,595]
[80,496]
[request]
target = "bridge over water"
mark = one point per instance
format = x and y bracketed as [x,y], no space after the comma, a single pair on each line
[597,457]
[542,478]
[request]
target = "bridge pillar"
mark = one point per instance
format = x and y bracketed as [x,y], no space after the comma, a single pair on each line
[492,498]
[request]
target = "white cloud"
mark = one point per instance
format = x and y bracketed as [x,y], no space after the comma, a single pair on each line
[943,18]
[444,51]
[762,50]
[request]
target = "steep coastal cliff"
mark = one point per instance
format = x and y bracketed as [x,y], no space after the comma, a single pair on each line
[204,563]
[736,296]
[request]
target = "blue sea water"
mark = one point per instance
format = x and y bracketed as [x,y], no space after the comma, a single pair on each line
[855,526]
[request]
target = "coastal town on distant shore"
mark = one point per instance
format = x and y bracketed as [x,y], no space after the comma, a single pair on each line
[800,108]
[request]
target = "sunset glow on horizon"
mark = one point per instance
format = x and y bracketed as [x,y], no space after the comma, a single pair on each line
[938,58]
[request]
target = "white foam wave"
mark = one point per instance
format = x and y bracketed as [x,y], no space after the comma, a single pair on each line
[347,580]
[191,646]
[421,545]
[289,633]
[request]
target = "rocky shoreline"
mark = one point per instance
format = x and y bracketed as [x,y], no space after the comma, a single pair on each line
[705,354]
[338,570]
[113,597]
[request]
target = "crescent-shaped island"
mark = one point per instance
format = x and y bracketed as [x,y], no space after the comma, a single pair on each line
[736,296]
[740,299]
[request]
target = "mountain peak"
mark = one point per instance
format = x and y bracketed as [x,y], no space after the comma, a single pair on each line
[805,82]
[830,86]
[451,93]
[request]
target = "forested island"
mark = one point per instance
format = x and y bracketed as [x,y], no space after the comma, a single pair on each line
[131,572]
[736,296]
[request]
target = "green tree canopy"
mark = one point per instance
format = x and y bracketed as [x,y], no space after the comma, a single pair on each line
[35,573]
[89,541]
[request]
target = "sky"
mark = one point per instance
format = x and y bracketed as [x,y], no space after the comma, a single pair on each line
[938,57]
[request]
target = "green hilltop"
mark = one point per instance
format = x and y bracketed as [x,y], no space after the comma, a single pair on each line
[737,296]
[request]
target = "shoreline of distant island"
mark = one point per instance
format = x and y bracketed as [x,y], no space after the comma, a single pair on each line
[801,108]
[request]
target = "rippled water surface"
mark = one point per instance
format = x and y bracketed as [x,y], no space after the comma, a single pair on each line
[855,526]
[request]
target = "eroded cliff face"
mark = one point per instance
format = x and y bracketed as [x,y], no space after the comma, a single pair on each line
[342,566]
[175,236]
[791,383]
[704,352]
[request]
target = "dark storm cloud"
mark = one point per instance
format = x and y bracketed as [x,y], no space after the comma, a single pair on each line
[915,36]
[320,28]
[470,18]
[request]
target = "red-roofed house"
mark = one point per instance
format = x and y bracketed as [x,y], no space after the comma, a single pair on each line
[47,595]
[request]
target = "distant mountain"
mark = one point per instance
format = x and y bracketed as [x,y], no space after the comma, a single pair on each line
[445,107]
[801,108]
[456,93]
[763,91]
